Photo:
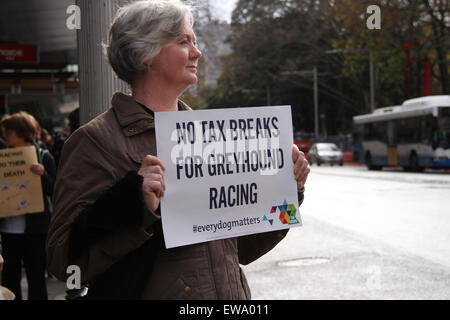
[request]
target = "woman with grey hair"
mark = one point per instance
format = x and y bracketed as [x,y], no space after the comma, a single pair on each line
[106,210]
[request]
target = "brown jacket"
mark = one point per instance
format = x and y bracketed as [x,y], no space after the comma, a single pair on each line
[94,158]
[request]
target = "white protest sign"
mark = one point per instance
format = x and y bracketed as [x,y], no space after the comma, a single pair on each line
[229,172]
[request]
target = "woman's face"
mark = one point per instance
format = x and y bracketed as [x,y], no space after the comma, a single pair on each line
[12,140]
[176,64]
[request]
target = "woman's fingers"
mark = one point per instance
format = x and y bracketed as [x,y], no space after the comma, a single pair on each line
[301,166]
[37,169]
[150,161]
[154,186]
[149,177]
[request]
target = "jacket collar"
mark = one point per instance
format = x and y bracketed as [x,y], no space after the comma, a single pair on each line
[128,111]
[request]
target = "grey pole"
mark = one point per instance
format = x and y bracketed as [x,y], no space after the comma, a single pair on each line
[97,79]
[316,104]
[6,104]
[372,89]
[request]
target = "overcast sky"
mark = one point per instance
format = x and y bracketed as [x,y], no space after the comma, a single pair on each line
[223,8]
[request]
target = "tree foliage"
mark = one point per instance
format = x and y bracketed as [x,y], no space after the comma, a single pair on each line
[270,41]
[275,43]
[417,26]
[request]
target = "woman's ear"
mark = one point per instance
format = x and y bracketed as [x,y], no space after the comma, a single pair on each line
[148,64]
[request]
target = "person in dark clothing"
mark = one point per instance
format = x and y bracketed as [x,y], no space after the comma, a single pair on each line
[74,120]
[59,138]
[23,236]
[2,144]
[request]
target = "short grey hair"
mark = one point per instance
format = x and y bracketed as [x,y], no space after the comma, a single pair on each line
[139,31]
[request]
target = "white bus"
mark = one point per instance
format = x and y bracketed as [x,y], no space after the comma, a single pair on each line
[415,135]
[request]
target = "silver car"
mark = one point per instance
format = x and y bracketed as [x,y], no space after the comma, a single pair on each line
[325,152]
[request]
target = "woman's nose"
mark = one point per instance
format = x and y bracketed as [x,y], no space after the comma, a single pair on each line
[196,53]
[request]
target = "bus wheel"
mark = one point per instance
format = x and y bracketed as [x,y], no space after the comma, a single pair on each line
[369,163]
[414,163]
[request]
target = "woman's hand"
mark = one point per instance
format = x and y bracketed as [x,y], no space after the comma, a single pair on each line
[301,167]
[1,263]
[153,186]
[37,169]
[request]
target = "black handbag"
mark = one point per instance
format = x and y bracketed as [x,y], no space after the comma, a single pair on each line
[127,278]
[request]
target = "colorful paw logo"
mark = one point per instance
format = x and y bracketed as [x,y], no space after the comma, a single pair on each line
[287,214]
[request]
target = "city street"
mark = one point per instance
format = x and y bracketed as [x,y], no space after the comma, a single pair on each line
[365,235]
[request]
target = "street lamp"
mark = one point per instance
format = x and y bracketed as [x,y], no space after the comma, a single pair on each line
[371,74]
[316,93]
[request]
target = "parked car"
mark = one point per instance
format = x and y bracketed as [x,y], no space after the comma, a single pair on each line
[325,152]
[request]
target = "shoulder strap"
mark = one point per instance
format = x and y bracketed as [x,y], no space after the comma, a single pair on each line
[41,154]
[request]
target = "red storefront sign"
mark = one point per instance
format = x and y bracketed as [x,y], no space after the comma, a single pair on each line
[18,53]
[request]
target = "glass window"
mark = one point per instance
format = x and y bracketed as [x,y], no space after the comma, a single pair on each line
[442,132]
[409,130]
[327,147]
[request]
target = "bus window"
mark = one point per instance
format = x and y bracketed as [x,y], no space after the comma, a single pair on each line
[375,131]
[391,136]
[443,132]
[416,134]
[408,130]
[381,131]
[427,124]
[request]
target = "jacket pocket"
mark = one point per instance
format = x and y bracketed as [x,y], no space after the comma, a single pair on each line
[179,290]
[137,157]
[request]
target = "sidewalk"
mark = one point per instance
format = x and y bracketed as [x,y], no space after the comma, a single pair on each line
[56,289]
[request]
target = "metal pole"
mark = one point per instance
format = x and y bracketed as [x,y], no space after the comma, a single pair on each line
[316,104]
[97,79]
[372,89]
[6,104]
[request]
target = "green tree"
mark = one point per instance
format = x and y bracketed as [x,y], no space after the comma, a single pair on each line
[271,40]
[414,27]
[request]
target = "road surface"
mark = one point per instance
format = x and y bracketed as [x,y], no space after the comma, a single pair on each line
[365,235]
